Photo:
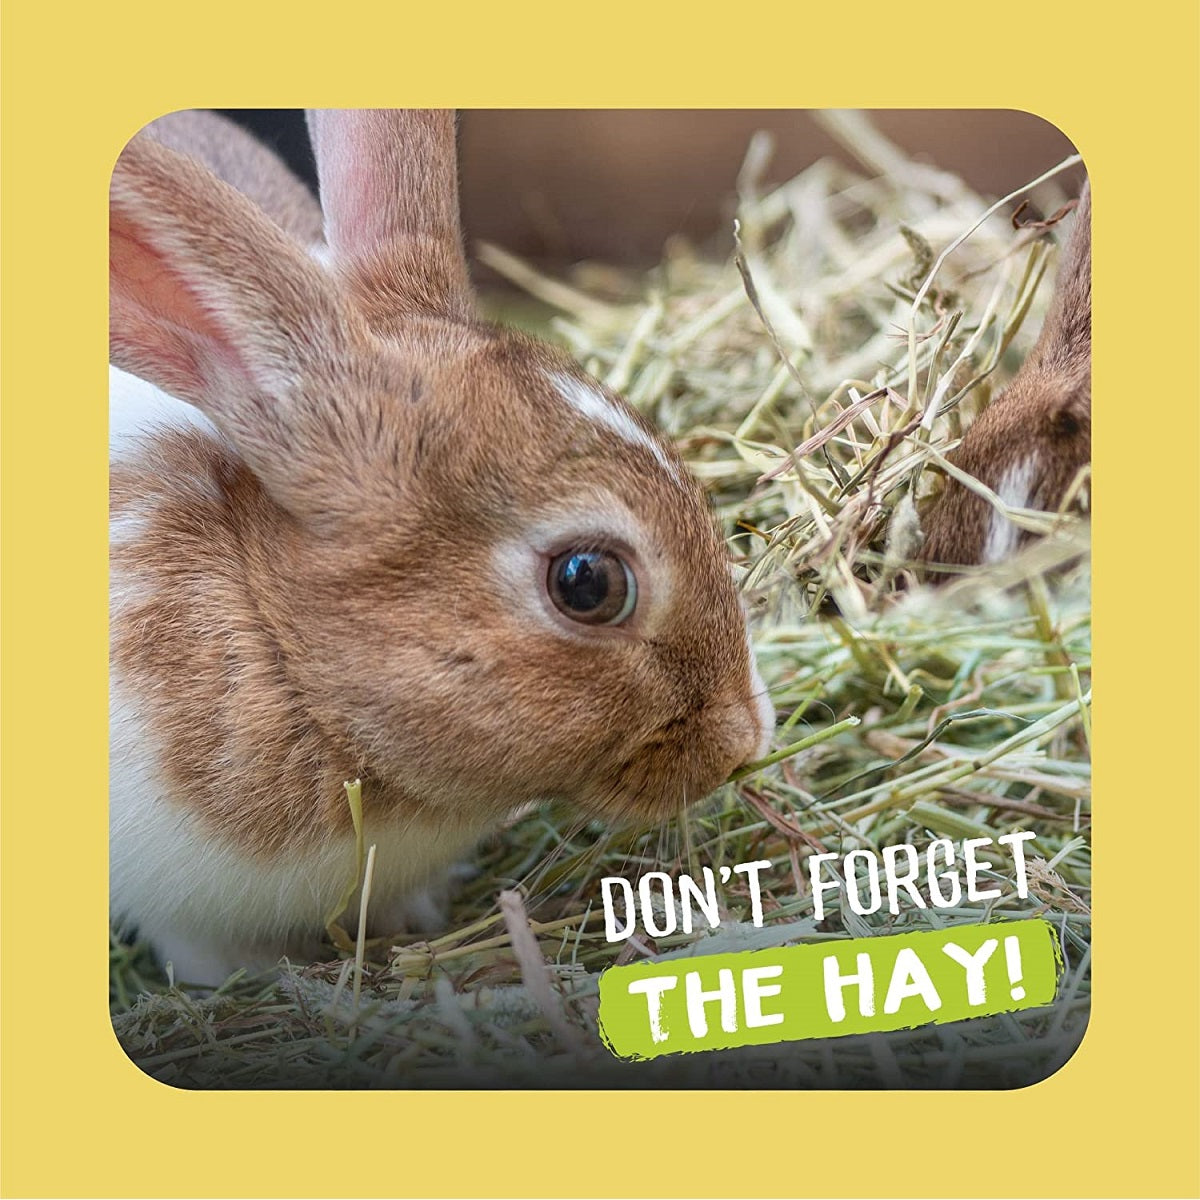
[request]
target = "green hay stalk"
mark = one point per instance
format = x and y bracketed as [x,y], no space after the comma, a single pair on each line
[815,378]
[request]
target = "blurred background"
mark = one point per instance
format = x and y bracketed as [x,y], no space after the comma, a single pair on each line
[559,186]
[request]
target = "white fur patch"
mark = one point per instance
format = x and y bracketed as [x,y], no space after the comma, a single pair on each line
[1015,491]
[127,527]
[137,410]
[764,710]
[212,908]
[592,403]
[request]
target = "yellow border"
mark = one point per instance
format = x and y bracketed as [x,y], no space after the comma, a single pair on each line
[1120,1119]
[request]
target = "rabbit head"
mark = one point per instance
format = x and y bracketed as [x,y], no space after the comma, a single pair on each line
[412,546]
[1034,440]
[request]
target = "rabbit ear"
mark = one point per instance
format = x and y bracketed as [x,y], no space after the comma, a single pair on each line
[1077,260]
[1066,339]
[389,190]
[212,302]
[233,154]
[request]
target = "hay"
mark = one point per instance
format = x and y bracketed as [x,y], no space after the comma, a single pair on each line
[811,381]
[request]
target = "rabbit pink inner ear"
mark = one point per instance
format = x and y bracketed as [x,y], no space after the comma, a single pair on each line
[389,191]
[158,329]
[358,193]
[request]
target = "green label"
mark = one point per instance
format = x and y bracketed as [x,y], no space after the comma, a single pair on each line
[861,985]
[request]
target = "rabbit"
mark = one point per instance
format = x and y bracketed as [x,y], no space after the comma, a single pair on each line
[358,533]
[1034,439]
[239,158]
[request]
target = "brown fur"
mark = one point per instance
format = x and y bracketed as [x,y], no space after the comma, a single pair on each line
[1044,415]
[319,600]
[240,159]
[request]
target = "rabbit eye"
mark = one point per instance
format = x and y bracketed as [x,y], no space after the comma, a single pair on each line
[594,587]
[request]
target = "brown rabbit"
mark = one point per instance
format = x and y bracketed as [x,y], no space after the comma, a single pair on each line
[357,532]
[1033,440]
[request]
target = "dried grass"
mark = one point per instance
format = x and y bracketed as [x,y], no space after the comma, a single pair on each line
[811,382]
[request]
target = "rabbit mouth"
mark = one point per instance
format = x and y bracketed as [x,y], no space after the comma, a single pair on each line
[664,777]
[689,756]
